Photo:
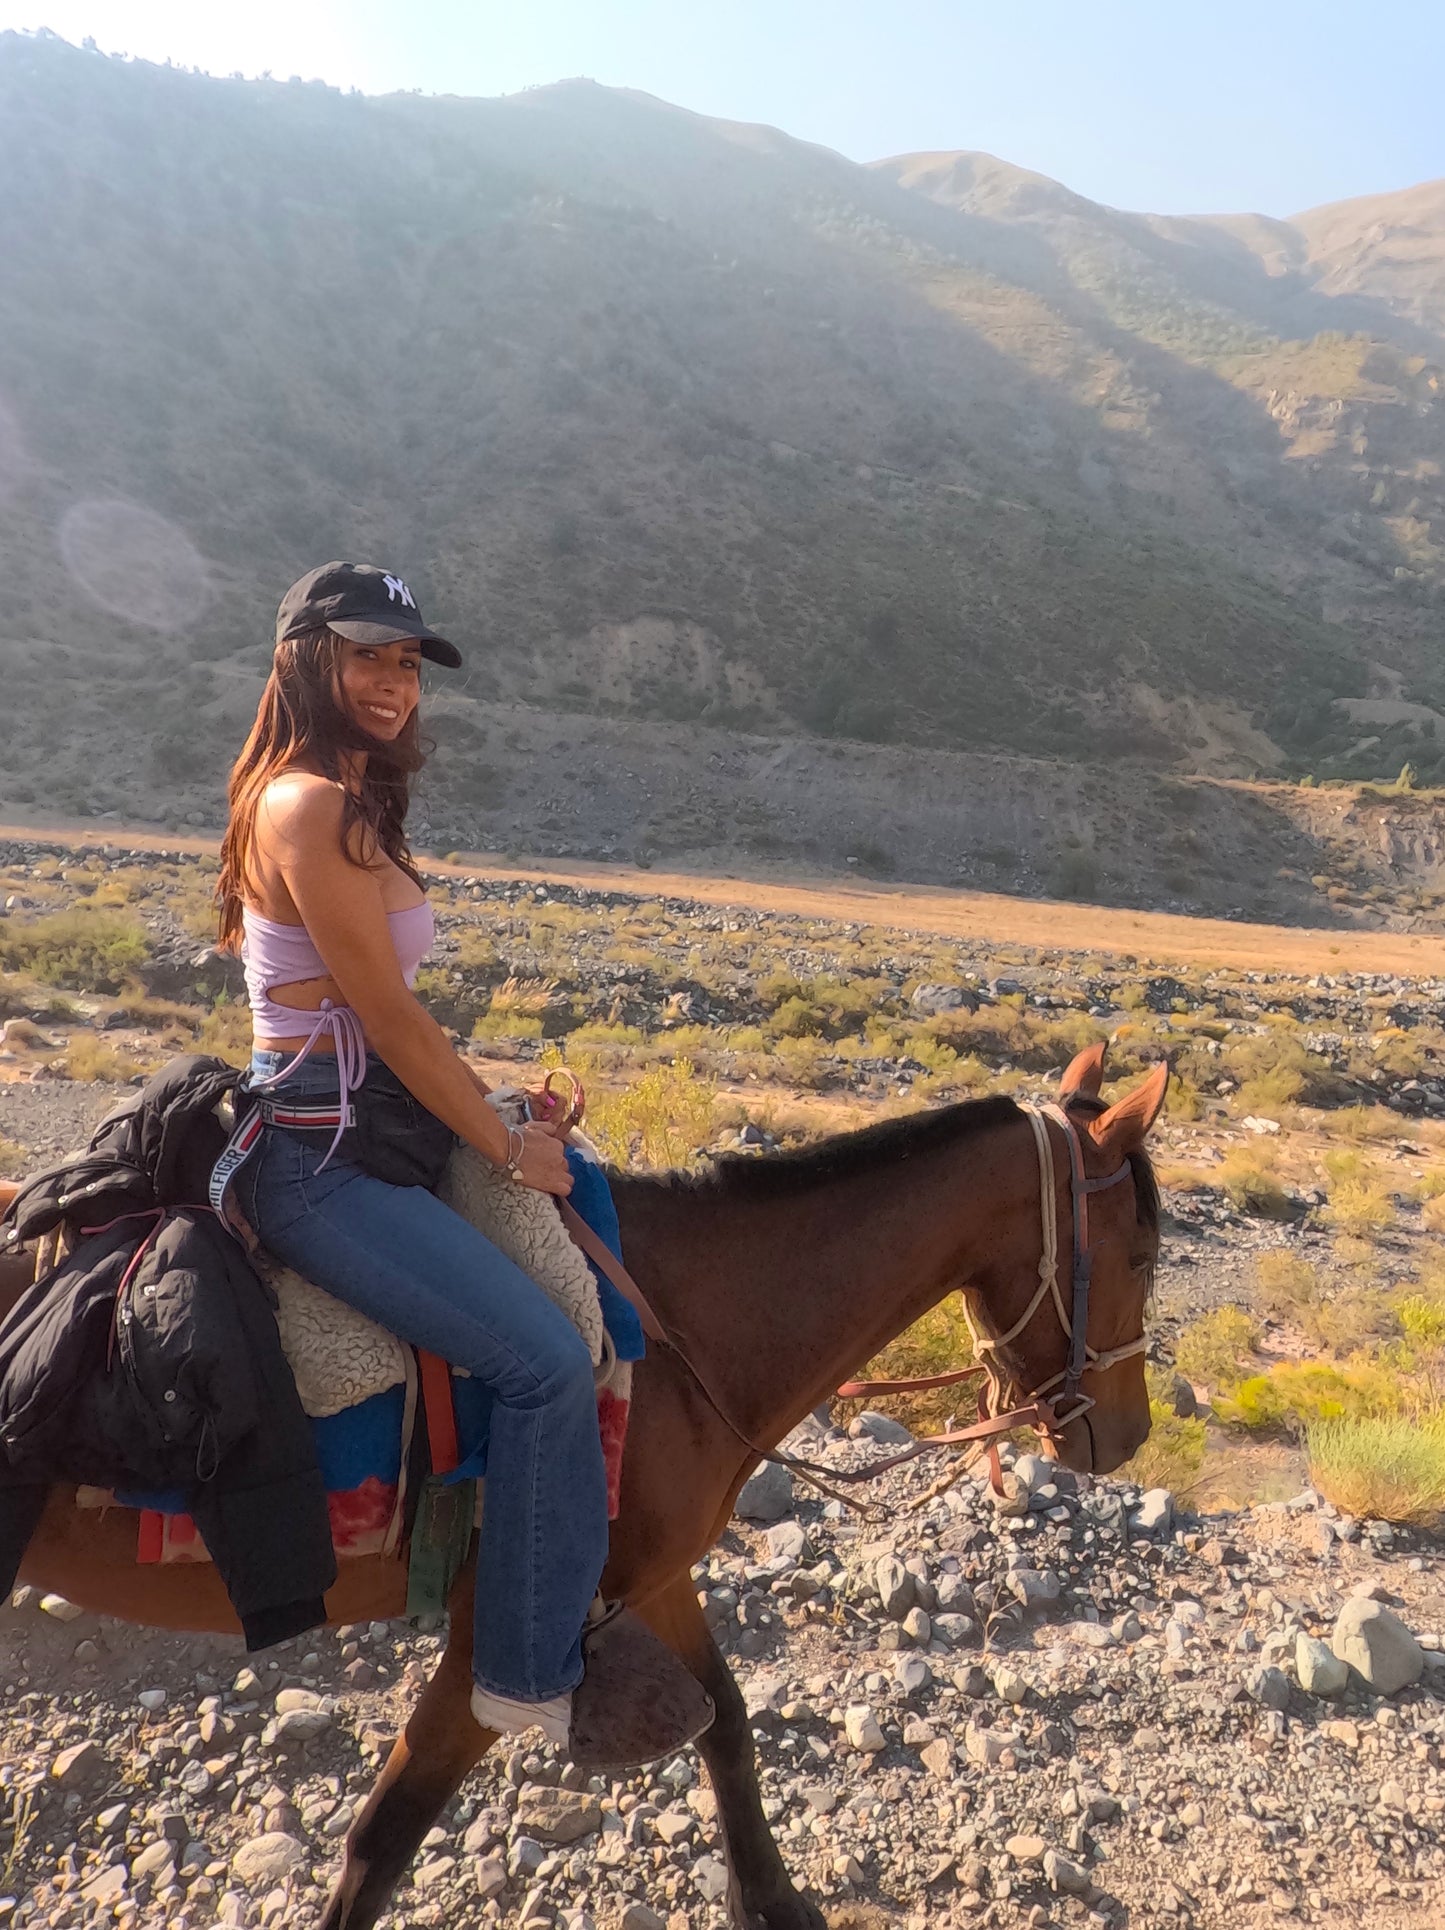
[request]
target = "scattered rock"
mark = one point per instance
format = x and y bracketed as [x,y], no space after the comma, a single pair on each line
[766,1495]
[896,1587]
[1320,1670]
[869,1426]
[862,1728]
[1378,1646]
[558,1815]
[268,1859]
[1155,1513]
[80,1764]
[1268,1686]
[489,1877]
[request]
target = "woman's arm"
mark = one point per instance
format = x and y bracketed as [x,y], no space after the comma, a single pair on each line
[341,907]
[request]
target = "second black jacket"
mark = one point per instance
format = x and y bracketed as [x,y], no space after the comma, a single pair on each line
[150,1359]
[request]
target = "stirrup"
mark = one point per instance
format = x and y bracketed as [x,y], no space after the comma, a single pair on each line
[636,1701]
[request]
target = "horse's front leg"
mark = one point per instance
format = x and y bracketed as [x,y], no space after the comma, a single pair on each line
[423,1771]
[762,1895]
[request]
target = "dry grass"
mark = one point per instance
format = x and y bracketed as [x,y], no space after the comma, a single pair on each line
[226,1031]
[1381,1467]
[1363,1125]
[1286,1283]
[89,1058]
[1249,1177]
[523,997]
[88,948]
[1269,1095]
[1359,1197]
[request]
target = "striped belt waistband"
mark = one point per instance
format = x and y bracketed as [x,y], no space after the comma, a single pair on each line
[278,1112]
[332,1117]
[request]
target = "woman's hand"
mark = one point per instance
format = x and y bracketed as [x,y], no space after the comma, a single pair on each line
[542,1162]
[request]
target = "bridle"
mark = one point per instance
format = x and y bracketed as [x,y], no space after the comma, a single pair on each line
[1075,1324]
[1038,1409]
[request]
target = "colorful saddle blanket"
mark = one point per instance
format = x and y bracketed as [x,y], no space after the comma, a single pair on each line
[362,1445]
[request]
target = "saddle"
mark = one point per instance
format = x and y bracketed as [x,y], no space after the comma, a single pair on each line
[367,1393]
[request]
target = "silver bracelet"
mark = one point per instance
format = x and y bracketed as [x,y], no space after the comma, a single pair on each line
[514,1158]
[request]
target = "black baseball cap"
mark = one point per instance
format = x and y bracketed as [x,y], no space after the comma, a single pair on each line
[364,604]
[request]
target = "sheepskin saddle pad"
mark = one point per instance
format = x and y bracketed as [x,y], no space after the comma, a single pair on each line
[341,1358]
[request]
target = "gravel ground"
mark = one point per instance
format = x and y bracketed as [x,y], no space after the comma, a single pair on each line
[49,1120]
[1091,1712]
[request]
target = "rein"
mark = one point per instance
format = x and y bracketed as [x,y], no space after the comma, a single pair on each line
[1037,1409]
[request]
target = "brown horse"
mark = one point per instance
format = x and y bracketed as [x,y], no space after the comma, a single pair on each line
[777,1277]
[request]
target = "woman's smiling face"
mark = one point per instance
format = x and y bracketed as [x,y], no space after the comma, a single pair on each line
[380,685]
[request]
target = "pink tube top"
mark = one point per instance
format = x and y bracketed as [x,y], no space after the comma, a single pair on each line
[276,954]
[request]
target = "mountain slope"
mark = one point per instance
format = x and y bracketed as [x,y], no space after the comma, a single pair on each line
[680,420]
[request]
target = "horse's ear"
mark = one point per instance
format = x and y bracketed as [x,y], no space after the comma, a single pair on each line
[1084,1072]
[1122,1128]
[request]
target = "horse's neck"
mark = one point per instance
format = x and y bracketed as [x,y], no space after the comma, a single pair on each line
[777,1300]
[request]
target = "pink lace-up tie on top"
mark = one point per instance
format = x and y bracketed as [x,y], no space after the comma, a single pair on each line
[276,954]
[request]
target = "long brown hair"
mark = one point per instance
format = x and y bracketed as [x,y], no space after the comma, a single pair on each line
[300,720]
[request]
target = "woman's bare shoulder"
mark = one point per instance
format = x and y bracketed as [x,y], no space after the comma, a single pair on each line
[300,802]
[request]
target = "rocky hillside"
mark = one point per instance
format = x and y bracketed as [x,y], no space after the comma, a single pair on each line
[681,421]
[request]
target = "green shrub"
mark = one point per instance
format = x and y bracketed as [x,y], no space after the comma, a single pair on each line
[89,949]
[796,1018]
[506,1025]
[1173,1454]
[1183,1100]
[1422,1319]
[1381,1467]
[1297,1394]
[1216,1349]
[662,1119]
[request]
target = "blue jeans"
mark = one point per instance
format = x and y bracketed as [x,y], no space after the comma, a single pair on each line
[396,1254]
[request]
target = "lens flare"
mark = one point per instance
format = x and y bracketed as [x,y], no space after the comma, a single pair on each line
[135,564]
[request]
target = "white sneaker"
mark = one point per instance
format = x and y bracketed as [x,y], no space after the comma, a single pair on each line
[510,1716]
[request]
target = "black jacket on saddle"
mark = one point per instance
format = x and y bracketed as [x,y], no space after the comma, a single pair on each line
[149,1359]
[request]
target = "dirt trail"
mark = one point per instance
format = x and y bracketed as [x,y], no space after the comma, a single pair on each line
[1156,938]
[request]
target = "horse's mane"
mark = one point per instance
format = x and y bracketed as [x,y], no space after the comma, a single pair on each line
[844,1156]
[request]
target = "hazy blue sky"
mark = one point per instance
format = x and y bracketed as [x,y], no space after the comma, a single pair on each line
[1275,105]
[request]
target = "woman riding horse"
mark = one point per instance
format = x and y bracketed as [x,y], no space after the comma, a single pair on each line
[319,894]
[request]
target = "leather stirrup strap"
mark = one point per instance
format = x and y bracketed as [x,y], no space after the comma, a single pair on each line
[441,1415]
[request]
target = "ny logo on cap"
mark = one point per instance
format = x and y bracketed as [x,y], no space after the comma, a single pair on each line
[396,588]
